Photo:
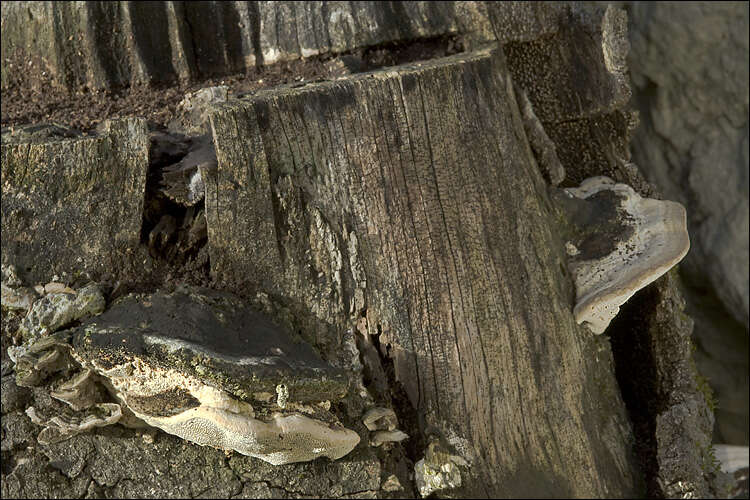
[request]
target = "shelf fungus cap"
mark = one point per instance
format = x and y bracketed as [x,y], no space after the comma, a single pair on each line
[69,422]
[192,361]
[284,439]
[380,419]
[623,242]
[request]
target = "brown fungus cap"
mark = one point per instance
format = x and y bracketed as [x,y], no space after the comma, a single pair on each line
[635,241]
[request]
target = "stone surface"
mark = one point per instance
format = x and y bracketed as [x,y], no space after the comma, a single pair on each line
[438,470]
[690,72]
[56,310]
[115,462]
[73,206]
[12,396]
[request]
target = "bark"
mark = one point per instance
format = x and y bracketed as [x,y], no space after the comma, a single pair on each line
[407,203]
[73,206]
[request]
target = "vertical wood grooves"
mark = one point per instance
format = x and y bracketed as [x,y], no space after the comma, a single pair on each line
[429,167]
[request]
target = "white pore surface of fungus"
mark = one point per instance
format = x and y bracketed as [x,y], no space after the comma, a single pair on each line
[658,242]
[285,439]
[221,421]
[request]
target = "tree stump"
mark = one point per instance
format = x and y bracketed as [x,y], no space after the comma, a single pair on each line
[73,205]
[407,204]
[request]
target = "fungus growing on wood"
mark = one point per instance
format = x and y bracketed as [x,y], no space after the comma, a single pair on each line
[189,363]
[182,181]
[69,423]
[380,437]
[620,242]
[380,419]
[80,392]
[40,358]
[284,439]
[186,363]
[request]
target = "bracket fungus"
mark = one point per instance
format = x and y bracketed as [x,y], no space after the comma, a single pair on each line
[620,242]
[69,423]
[182,181]
[191,362]
[380,419]
[382,422]
[195,363]
[380,437]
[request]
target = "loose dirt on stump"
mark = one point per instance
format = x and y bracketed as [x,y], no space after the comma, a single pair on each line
[46,102]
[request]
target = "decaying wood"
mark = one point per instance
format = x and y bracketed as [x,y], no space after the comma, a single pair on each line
[409,198]
[74,205]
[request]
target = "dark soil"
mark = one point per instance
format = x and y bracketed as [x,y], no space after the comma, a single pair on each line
[85,108]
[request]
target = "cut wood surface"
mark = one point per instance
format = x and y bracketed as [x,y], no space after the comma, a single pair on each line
[407,202]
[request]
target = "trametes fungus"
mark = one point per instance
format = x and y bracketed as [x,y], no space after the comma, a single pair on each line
[195,363]
[383,422]
[191,364]
[182,181]
[620,242]
[69,423]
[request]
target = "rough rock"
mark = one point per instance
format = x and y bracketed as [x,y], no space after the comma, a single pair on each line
[12,396]
[439,470]
[690,72]
[57,310]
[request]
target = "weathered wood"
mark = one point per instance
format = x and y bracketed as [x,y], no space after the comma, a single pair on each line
[576,79]
[110,44]
[407,202]
[73,205]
